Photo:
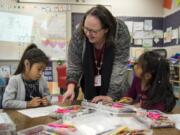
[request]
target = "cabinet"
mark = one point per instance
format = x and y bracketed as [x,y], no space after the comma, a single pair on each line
[175,78]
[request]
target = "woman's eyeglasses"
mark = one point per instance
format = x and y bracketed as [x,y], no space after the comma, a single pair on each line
[91,30]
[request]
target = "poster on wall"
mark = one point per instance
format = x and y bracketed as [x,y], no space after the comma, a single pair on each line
[138,26]
[129,25]
[138,34]
[148,25]
[147,43]
[158,33]
[50,35]
[168,35]
[175,33]
[15,27]
[148,34]
[138,41]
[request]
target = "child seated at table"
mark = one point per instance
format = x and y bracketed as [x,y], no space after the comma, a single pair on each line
[27,87]
[151,84]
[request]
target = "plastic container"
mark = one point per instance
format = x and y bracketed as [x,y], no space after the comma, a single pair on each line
[45,130]
[126,131]
[7,126]
[118,109]
[36,130]
[154,119]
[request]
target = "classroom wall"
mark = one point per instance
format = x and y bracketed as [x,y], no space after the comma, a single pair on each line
[171,18]
[147,8]
[141,8]
[173,9]
[137,51]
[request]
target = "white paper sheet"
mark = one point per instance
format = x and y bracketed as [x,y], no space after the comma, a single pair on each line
[15,27]
[176,119]
[158,33]
[148,25]
[138,35]
[40,111]
[148,34]
[129,25]
[138,26]
[175,33]
[138,42]
[147,42]
[167,37]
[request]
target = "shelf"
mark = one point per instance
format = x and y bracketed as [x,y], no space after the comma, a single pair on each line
[175,81]
[174,65]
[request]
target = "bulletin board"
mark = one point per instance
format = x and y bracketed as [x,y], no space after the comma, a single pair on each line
[153,33]
[145,30]
[22,24]
[172,29]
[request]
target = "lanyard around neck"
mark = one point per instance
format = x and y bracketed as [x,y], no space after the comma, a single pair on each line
[98,67]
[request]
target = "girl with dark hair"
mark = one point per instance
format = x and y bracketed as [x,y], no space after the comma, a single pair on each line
[27,87]
[151,85]
[98,55]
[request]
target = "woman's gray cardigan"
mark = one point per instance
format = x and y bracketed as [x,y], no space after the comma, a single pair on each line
[118,81]
[14,95]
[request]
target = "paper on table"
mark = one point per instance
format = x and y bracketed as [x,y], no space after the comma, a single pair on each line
[40,111]
[175,118]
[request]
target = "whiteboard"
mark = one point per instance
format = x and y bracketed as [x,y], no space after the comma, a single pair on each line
[15,26]
[42,24]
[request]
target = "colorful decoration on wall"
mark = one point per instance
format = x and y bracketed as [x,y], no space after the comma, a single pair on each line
[167,4]
[177,2]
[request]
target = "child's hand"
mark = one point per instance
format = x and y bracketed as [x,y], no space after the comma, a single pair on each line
[105,99]
[45,101]
[126,100]
[36,101]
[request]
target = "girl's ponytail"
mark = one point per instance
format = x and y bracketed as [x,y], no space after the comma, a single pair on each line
[162,90]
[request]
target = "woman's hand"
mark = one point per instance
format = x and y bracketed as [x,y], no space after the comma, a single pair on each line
[45,101]
[104,99]
[69,94]
[35,102]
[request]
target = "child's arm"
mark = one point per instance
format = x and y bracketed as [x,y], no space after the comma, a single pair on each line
[44,90]
[35,102]
[11,93]
[132,92]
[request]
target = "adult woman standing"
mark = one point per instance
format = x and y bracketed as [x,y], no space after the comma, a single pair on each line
[98,55]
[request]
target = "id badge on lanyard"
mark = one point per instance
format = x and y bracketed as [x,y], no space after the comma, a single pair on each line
[97,80]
